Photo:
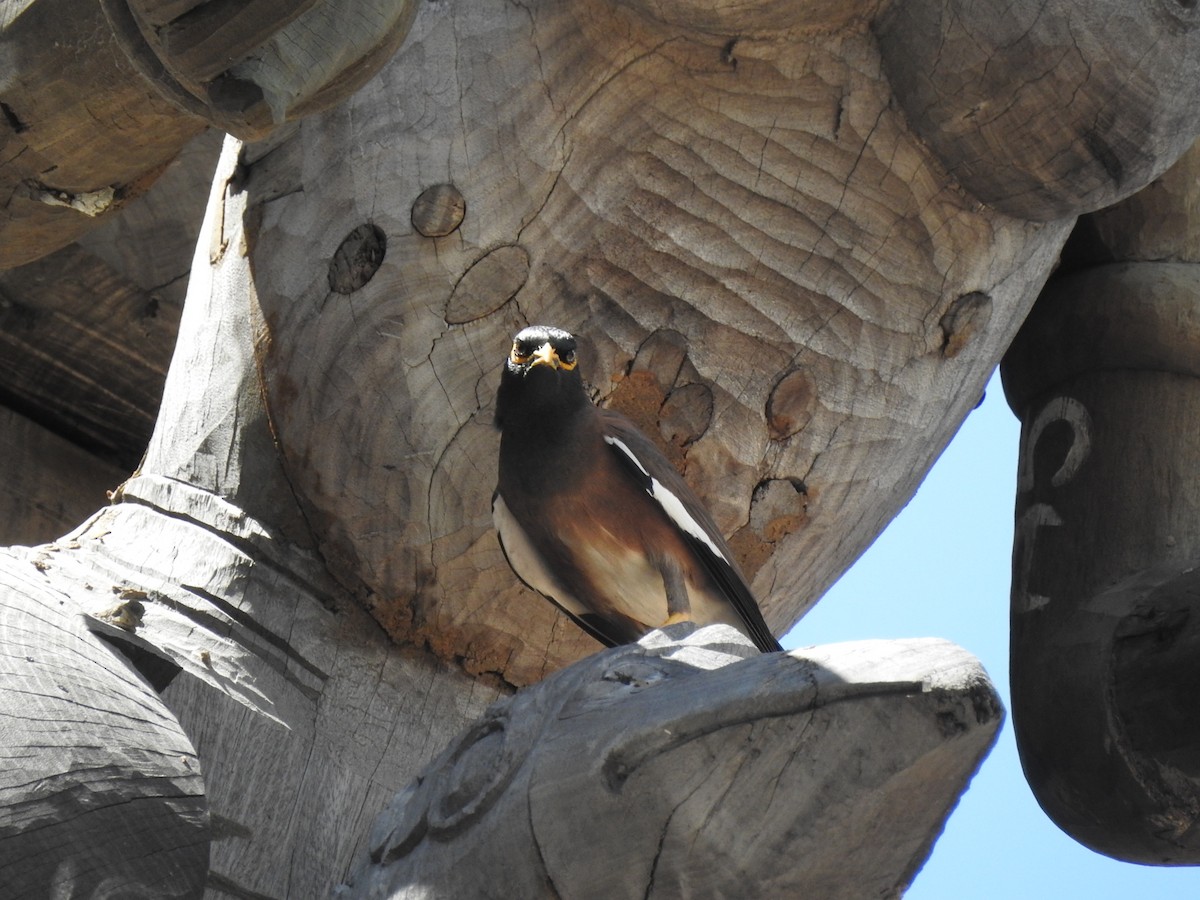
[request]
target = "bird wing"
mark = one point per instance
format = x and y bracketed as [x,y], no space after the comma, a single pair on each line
[536,575]
[645,463]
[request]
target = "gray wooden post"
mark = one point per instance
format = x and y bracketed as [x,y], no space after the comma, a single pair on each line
[1105,376]
[689,765]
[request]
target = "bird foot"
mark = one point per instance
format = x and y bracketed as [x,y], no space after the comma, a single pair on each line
[676,618]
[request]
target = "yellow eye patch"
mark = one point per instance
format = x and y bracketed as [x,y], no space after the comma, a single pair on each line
[546,354]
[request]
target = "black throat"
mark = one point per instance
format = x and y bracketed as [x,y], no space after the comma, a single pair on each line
[548,428]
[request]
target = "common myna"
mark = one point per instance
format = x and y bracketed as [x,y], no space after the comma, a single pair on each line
[592,516]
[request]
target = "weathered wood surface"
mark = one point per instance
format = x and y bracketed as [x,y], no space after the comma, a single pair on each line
[86,332]
[765,263]
[1045,110]
[84,351]
[836,283]
[305,718]
[101,791]
[50,485]
[1105,376]
[689,765]
[252,66]
[770,261]
[152,241]
[1160,223]
[96,98]
[80,132]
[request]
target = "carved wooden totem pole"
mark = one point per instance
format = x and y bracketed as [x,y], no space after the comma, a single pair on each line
[289,658]
[1106,378]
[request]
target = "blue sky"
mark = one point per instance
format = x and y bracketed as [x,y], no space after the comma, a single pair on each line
[942,569]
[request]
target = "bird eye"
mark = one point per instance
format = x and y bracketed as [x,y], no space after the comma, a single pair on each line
[568,357]
[520,353]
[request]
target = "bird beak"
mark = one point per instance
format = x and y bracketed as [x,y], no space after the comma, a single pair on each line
[545,356]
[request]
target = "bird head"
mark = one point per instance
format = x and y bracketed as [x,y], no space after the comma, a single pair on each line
[540,376]
[542,345]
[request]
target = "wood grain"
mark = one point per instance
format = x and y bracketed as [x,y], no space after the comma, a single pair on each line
[77,119]
[765,240]
[88,332]
[778,216]
[1106,380]
[101,789]
[1045,110]
[100,97]
[305,715]
[249,67]
[85,352]
[689,765]
[50,485]
[1160,223]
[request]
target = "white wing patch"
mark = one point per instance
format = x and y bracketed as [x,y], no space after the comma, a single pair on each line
[670,504]
[620,445]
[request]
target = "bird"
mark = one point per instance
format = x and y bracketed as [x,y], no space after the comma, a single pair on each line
[591,515]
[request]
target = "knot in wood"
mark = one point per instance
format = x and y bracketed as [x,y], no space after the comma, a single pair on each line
[966,317]
[438,211]
[686,414]
[357,259]
[778,507]
[126,615]
[490,282]
[791,404]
